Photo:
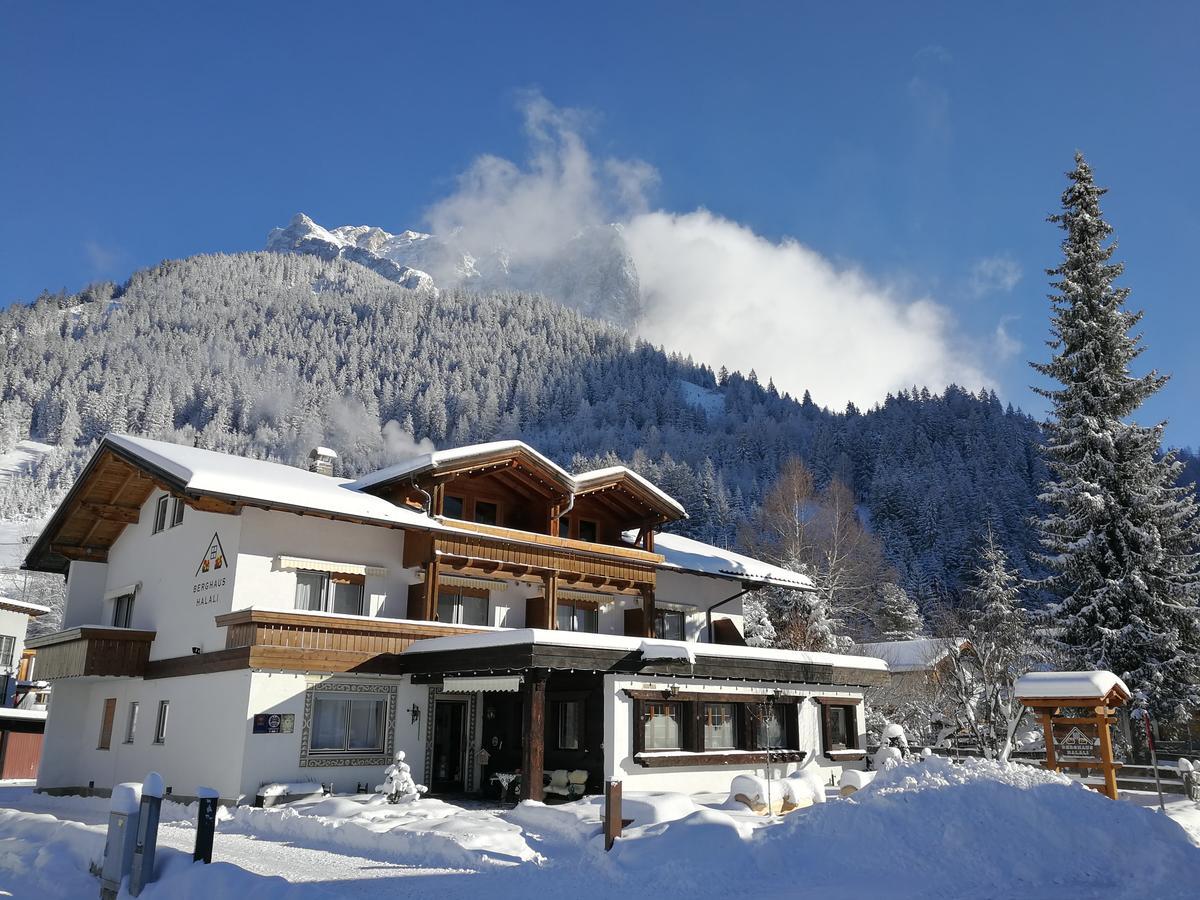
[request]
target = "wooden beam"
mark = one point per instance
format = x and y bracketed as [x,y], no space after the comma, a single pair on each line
[533,752]
[113,513]
[551,583]
[85,554]
[432,570]
[648,610]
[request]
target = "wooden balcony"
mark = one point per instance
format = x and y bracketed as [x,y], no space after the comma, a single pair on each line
[302,642]
[92,651]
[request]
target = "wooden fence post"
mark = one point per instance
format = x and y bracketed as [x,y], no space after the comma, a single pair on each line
[612,812]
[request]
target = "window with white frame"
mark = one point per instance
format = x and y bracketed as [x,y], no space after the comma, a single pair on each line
[578,615]
[160,513]
[131,721]
[668,624]
[123,611]
[462,606]
[330,592]
[160,725]
[8,644]
[177,513]
[348,723]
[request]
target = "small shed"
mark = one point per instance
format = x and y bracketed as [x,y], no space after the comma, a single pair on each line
[1077,741]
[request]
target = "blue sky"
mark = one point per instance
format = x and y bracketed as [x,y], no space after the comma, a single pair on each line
[920,145]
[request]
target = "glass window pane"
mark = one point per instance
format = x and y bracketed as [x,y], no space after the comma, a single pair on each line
[564,617]
[347,598]
[768,727]
[587,530]
[570,714]
[838,730]
[719,732]
[366,724]
[160,513]
[485,513]
[474,610]
[661,724]
[309,586]
[177,513]
[452,507]
[446,607]
[587,618]
[328,723]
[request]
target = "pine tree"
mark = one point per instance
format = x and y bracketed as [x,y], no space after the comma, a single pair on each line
[1120,538]
[896,617]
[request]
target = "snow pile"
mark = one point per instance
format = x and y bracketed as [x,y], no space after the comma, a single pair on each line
[1091,685]
[398,784]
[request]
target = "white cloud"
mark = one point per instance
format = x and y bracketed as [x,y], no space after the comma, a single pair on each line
[103,259]
[711,287]
[1006,345]
[993,274]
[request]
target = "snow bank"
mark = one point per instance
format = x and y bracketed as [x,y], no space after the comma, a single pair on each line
[290,789]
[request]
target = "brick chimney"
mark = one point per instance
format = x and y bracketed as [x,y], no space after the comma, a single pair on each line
[321,460]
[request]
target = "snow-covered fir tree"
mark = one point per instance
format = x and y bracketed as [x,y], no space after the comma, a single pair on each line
[1120,536]
[895,616]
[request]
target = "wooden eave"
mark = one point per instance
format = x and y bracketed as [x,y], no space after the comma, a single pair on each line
[630,500]
[517,463]
[433,666]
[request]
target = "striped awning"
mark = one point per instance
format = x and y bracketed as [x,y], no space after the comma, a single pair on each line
[324,565]
[509,684]
[485,584]
[587,596]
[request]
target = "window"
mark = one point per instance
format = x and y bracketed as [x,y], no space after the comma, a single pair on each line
[106,723]
[767,726]
[578,615]
[7,646]
[343,723]
[570,725]
[123,611]
[668,624]
[160,513]
[330,592]
[839,726]
[177,513]
[131,722]
[588,530]
[661,726]
[486,513]
[160,726]
[452,507]
[720,730]
[462,606]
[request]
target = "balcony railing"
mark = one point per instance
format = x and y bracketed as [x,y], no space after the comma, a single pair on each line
[301,641]
[92,650]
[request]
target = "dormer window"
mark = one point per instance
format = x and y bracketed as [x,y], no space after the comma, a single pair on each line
[486,513]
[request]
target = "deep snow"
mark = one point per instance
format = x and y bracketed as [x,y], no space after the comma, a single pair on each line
[931,829]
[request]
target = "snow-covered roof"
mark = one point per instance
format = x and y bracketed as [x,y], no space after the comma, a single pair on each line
[585,479]
[440,459]
[30,609]
[657,649]
[32,715]
[1082,685]
[912,656]
[687,555]
[235,477]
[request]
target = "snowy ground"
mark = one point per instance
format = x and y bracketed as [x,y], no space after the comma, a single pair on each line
[22,459]
[928,830]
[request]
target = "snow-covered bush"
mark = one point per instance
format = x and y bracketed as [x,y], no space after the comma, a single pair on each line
[398,783]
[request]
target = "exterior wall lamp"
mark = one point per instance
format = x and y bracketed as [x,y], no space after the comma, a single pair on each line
[415,712]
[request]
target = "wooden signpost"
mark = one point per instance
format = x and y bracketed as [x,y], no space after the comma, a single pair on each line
[1077,741]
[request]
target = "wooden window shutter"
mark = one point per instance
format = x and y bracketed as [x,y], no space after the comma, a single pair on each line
[106,724]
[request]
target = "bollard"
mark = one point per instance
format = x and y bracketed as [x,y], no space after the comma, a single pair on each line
[613,823]
[206,824]
[142,871]
[118,847]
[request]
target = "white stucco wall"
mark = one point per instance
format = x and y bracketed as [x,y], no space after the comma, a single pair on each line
[276,757]
[618,736]
[267,535]
[206,716]
[86,583]
[699,592]
[174,599]
[14,624]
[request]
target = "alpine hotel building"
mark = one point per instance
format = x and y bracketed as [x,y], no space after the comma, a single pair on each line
[232,622]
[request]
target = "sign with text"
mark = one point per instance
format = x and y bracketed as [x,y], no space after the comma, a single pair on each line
[1077,741]
[210,575]
[274,723]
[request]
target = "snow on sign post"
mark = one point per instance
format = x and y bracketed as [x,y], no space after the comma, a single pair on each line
[1077,741]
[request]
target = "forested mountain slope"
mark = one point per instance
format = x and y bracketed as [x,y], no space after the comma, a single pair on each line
[269,354]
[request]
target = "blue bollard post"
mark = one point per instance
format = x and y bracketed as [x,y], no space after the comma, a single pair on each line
[122,830]
[142,871]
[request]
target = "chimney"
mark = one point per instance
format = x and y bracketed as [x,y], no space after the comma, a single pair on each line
[321,460]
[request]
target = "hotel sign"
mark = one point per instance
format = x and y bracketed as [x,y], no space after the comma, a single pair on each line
[210,575]
[1080,741]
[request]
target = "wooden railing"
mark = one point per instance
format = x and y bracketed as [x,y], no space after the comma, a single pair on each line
[298,641]
[92,651]
[571,545]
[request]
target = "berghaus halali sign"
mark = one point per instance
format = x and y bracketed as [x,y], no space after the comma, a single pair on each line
[211,574]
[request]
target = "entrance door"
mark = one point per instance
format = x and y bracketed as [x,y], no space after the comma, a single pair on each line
[449,746]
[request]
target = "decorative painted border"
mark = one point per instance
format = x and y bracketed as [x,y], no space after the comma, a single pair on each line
[341,760]
[429,735]
[473,699]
